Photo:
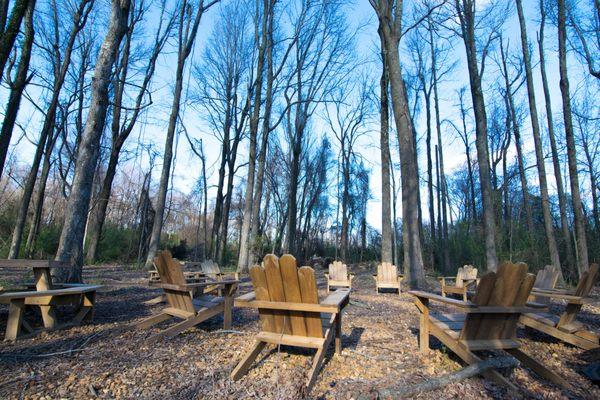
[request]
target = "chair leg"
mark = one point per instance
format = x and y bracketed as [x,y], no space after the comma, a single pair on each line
[465,295]
[539,368]
[245,363]
[316,366]
[338,333]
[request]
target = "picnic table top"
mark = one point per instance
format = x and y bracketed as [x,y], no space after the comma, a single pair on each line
[44,264]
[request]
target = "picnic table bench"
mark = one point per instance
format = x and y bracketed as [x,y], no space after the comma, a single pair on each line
[46,295]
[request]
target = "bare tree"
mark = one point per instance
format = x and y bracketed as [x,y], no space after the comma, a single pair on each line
[562,202]
[347,120]
[60,68]
[186,36]
[70,246]
[466,11]
[384,141]
[17,85]
[9,28]
[123,122]
[389,14]
[537,138]
[580,234]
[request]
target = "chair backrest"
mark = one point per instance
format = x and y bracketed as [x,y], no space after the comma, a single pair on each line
[546,278]
[279,279]
[209,267]
[171,272]
[587,280]
[465,272]
[510,286]
[387,272]
[338,271]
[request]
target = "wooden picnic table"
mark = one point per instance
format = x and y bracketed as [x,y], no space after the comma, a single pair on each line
[45,294]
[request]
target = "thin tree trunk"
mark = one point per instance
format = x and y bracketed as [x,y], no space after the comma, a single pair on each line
[186,39]
[386,217]
[70,246]
[438,128]
[413,258]
[48,126]
[562,202]
[518,145]
[21,79]
[262,43]
[11,30]
[539,151]
[467,19]
[582,251]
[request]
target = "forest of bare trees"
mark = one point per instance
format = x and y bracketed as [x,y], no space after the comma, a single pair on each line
[430,134]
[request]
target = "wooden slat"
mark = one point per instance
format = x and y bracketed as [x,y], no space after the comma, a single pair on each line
[308,291]
[291,288]
[481,298]
[276,293]
[506,288]
[291,340]
[261,292]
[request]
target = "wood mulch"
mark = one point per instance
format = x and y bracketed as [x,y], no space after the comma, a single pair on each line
[108,359]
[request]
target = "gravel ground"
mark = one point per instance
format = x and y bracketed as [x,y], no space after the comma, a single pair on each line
[108,359]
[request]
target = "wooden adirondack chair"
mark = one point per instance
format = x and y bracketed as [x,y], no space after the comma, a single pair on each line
[288,304]
[565,327]
[387,277]
[338,276]
[465,277]
[182,304]
[545,280]
[489,322]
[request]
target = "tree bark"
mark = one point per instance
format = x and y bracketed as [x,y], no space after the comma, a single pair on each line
[467,22]
[562,202]
[70,246]
[386,217]
[60,72]
[391,32]
[186,39]
[10,31]
[262,43]
[582,251]
[539,151]
[21,79]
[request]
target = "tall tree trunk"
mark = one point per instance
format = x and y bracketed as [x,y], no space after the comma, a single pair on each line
[21,79]
[413,258]
[386,217]
[38,202]
[510,103]
[467,19]
[438,128]
[186,40]
[537,138]
[582,251]
[70,246]
[60,72]
[262,43]
[562,202]
[10,31]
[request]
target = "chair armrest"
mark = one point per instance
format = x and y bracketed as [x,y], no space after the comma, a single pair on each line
[557,291]
[568,297]
[189,286]
[468,282]
[326,274]
[337,298]
[446,300]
